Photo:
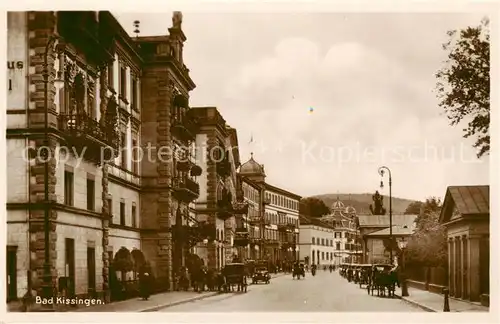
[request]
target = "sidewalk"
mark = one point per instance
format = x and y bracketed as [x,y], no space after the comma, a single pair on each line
[137,305]
[433,302]
[154,303]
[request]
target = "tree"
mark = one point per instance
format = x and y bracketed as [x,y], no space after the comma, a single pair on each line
[413,208]
[428,246]
[313,207]
[463,86]
[378,204]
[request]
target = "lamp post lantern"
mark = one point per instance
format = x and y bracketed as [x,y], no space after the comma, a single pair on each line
[404,287]
[381,171]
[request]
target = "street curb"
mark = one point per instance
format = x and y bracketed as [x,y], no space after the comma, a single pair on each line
[422,306]
[179,302]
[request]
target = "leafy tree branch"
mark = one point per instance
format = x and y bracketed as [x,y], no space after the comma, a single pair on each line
[463,86]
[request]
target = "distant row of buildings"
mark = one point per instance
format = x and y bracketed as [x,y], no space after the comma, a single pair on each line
[343,236]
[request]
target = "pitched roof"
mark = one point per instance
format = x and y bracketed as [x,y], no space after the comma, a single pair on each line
[284,192]
[398,230]
[469,201]
[304,220]
[383,220]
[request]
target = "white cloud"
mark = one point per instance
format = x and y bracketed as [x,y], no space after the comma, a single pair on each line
[369,78]
[365,115]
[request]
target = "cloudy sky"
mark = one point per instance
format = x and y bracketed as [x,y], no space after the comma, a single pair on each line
[330,97]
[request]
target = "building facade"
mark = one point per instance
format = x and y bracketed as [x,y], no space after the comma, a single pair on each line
[65,93]
[316,242]
[122,174]
[374,230]
[252,221]
[220,200]
[346,236]
[466,215]
[278,218]
[282,213]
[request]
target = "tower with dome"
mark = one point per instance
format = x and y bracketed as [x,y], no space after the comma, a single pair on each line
[346,235]
[272,221]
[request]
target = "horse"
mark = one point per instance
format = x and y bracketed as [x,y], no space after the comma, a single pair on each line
[385,279]
[211,279]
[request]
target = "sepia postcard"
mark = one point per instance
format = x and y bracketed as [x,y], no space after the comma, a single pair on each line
[239,161]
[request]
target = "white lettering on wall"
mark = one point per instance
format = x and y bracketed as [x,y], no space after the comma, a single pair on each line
[17,60]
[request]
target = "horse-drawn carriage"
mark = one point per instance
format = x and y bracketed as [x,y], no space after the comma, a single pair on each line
[363,274]
[382,277]
[235,274]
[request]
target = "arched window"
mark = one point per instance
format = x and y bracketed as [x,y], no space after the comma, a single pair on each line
[313,241]
[313,257]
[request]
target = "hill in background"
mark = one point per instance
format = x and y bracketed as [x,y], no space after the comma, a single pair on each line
[363,201]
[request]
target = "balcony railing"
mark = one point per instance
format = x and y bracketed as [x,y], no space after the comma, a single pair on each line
[286,227]
[83,131]
[241,237]
[240,208]
[184,128]
[225,206]
[185,189]
[259,221]
[272,241]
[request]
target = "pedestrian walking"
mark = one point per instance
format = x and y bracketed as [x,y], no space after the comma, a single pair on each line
[145,284]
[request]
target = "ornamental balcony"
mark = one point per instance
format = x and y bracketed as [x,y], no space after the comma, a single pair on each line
[89,136]
[256,240]
[184,128]
[241,237]
[192,235]
[240,208]
[272,242]
[286,227]
[225,206]
[186,165]
[185,189]
[258,221]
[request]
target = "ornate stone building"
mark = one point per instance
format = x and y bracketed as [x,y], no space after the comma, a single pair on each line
[275,225]
[170,180]
[346,241]
[101,202]
[220,195]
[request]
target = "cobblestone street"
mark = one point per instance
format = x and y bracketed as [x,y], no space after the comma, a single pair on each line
[326,292]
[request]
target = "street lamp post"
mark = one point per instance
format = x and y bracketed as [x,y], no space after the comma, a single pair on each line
[404,287]
[381,171]
[47,288]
